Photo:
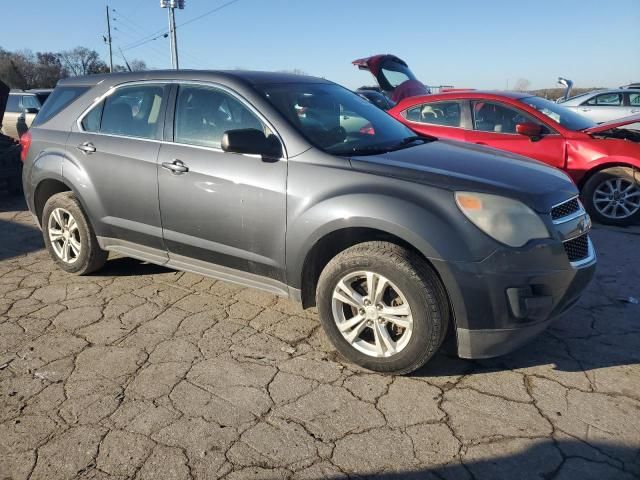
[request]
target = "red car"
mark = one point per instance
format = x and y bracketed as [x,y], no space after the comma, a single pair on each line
[602,159]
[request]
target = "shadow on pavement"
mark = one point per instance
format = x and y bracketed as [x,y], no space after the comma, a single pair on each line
[130,267]
[546,459]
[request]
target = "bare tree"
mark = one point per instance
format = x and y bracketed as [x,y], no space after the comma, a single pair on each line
[82,61]
[522,85]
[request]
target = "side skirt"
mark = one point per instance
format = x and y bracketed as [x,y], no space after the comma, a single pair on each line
[186,264]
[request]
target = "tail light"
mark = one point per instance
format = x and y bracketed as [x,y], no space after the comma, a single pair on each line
[25,143]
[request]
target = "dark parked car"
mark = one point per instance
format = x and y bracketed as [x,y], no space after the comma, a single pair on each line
[10,166]
[377,98]
[256,178]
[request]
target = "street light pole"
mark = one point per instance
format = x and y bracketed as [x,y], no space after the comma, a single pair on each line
[171,5]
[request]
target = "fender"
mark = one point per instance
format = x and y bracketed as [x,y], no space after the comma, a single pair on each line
[46,166]
[600,155]
[436,235]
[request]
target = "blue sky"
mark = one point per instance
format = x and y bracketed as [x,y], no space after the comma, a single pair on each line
[466,43]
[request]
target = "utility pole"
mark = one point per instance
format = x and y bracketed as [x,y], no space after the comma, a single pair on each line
[171,5]
[109,41]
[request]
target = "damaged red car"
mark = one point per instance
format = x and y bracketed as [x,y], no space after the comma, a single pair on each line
[602,159]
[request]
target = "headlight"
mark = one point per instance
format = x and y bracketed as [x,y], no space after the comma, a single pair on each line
[508,221]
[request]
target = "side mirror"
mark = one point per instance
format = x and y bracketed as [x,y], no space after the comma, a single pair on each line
[30,110]
[251,141]
[529,129]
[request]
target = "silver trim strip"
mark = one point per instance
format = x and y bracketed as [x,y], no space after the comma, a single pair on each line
[591,256]
[571,216]
[219,86]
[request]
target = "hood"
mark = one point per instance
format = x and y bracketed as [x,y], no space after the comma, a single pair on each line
[463,166]
[620,122]
[393,76]
[4,96]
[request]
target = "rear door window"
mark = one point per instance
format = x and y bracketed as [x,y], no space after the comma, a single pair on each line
[446,114]
[133,111]
[30,101]
[634,99]
[61,98]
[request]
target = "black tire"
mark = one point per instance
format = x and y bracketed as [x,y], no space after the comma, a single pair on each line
[600,178]
[91,257]
[419,284]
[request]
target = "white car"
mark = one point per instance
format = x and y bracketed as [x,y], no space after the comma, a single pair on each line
[605,105]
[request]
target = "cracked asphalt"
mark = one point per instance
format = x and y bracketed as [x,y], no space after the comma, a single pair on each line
[142,372]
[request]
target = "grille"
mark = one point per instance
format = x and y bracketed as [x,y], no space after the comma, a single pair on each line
[565,209]
[578,248]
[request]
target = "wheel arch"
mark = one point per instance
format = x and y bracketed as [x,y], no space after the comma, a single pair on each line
[45,189]
[610,162]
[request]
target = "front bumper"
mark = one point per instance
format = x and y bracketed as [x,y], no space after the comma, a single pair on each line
[506,300]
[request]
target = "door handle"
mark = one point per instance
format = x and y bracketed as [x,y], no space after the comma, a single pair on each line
[635,110]
[481,143]
[585,109]
[86,147]
[177,166]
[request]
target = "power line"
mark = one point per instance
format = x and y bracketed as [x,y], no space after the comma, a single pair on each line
[164,32]
[130,28]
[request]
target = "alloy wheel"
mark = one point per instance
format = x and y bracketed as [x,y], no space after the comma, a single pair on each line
[372,314]
[617,198]
[64,235]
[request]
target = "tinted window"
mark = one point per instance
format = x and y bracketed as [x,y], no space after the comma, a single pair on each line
[13,103]
[556,112]
[30,101]
[204,114]
[318,111]
[447,114]
[498,118]
[634,99]
[610,99]
[134,111]
[57,101]
[91,121]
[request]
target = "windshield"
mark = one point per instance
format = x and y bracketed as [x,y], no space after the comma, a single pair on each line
[337,120]
[562,115]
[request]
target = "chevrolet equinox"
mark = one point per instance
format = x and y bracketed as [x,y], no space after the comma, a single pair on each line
[299,187]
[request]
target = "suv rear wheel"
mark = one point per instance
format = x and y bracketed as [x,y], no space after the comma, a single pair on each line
[612,196]
[383,307]
[69,236]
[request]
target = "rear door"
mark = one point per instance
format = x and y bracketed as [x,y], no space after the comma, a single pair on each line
[218,208]
[115,148]
[494,125]
[632,101]
[442,119]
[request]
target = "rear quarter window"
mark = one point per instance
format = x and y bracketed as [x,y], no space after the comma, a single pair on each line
[61,98]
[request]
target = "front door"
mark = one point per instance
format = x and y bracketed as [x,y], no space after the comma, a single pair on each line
[494,125]
[114,154]
[220,209]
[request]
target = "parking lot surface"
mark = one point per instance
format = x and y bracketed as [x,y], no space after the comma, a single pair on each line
[143,372]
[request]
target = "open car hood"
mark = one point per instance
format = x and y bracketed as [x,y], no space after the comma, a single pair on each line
[621,122]
[393,76]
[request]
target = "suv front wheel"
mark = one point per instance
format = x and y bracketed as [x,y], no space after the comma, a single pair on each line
[383,307]
[69,236]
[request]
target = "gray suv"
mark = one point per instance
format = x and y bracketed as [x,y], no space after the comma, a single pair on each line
[299,187]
